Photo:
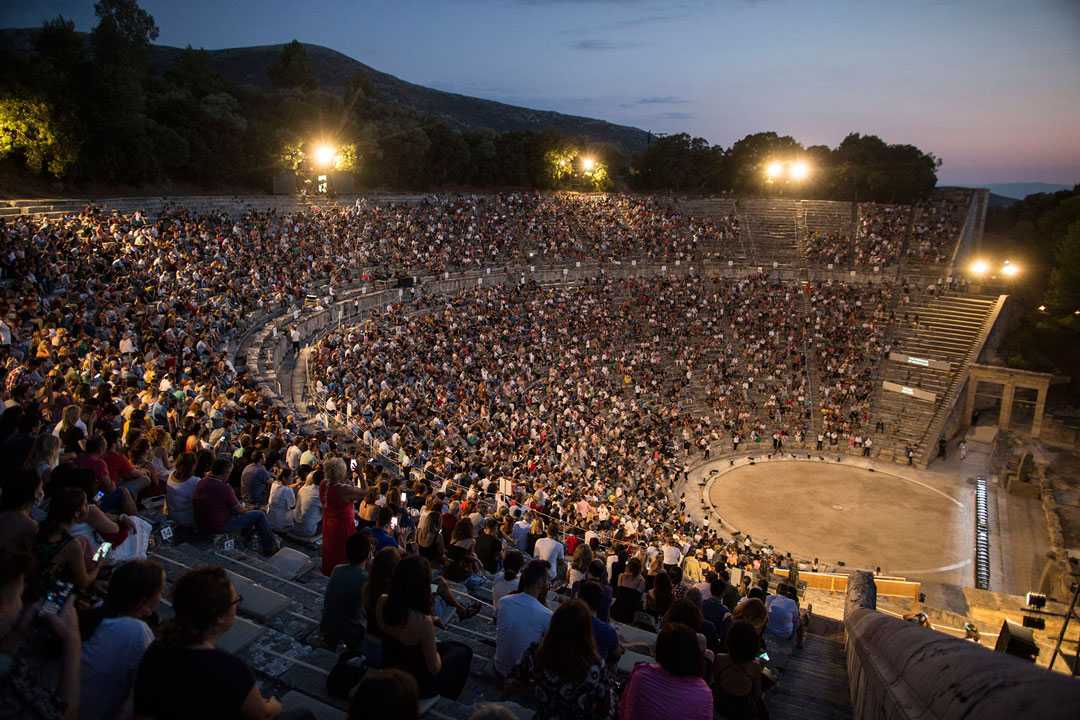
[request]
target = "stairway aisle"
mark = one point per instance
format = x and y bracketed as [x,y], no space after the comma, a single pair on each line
[814,685]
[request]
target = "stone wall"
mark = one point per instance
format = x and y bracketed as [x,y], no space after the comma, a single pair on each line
[900,671]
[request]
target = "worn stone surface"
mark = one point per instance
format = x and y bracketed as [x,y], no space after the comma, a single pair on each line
[897,669]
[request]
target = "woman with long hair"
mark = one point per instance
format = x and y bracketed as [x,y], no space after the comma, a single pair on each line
[183,675]
[564,669]
[337,496]
[378,584]
[579,565]
[71,431]
[408,632]
[429,538]
[737,684]
[116,638]
[508,580]
[659,599]
[61,555]
[44,456]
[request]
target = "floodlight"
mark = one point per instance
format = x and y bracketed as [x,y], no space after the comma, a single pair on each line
[799,170]
[980,267]
[588,164]
[773,170]
[324,155]
[1042,308]
[1010,270]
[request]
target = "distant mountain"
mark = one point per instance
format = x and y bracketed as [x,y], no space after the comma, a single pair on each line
[1020,190]
[1000,201]
[248,66]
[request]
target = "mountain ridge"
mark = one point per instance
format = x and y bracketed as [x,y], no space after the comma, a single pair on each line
[248,66]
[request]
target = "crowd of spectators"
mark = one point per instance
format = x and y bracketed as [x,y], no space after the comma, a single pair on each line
[880,232]
[512,441]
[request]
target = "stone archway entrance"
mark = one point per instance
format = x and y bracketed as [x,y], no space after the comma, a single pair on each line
[1021,410]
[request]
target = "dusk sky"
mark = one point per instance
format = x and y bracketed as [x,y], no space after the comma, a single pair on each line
[991,87]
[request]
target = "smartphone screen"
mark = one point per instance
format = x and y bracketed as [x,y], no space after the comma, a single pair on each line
[102,551]
[404,497]
[56,597]
[764,657]
[393,522]
[434,588]
[100,494]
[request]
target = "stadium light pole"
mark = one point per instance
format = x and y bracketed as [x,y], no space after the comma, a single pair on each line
[324,154]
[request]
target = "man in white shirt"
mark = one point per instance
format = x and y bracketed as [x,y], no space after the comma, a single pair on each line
[523,618]
[550,550]
[672,556]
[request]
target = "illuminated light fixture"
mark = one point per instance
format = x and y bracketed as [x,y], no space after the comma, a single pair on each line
[588,164]
[1010,270]
[773,170]
[324,155]
[980,267]
[799,171]
[1042,308]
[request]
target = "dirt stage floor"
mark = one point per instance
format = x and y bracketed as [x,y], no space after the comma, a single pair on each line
[908,523]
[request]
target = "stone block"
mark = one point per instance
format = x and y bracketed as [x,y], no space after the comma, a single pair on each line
[294,700]
[240,635]
[290,564]
[258,602]
[629,660]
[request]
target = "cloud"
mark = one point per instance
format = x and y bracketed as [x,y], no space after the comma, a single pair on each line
[657,100]
[595,45]
[673,116]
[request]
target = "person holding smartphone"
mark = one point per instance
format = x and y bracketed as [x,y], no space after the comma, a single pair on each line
[22,693]
[61,555]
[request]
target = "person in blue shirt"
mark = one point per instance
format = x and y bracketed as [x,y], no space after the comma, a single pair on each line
[607,640]
[379,535]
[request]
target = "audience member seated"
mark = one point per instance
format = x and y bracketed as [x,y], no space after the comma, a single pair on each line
[672,688]
[385,694]
[183,675]
[508,580]
[384,517]
[378,584]
[281,507]
[22,490]
[565,671]
[523,617]
[489,546]
[24,689]
[408,633]
[607,640]
[218,511]
[737,677]
[309,511]
[180,491]
[60,555]
[783,624]
[598,574]
[255,481]
[344,598]
[550,550]
[116,638]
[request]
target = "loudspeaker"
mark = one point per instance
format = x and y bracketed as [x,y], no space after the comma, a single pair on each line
[1016,640]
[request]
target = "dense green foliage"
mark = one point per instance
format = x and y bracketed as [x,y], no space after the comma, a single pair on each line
[95,111]
[1044,232]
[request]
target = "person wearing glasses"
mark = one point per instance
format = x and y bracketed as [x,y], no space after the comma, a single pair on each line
[185,675]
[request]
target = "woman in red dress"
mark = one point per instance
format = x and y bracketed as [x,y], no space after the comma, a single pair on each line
[338,496]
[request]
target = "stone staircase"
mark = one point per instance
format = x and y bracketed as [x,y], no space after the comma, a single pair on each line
[951,328]
[814,682]
[773,224]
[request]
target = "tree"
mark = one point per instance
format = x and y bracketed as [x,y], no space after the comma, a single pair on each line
[749,156]
[1063,292]
[123,33]
[293,68]
[27,127]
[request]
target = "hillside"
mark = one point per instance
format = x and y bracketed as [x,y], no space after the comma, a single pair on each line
[1020,190]
[248,66]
